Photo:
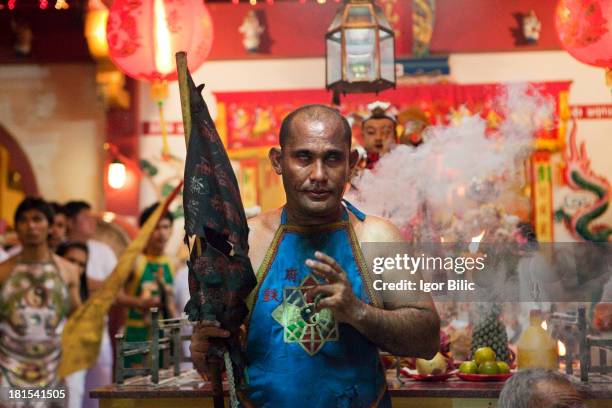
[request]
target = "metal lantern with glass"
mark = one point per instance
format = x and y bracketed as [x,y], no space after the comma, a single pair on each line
[360,50]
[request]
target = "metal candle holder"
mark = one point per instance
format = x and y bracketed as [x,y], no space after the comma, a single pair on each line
[169,343]
[567,324]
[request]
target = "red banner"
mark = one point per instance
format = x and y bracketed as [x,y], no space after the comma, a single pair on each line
[603,111]
[253,118]
[153,128]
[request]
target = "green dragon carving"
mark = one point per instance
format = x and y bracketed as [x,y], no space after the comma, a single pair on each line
[579,176]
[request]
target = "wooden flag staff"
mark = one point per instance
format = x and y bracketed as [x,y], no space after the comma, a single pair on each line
[182,70]
[214,365]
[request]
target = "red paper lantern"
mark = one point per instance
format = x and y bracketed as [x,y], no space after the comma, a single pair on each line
[585,30]
[144,35]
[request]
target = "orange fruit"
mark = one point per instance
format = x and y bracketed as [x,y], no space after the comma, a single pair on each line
[468,367]
[484,354]
[488,367]
[503,367]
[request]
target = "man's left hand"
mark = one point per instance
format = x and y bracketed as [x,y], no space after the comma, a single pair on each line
[338,292]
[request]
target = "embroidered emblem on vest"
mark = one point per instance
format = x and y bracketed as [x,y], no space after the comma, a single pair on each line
[301,324]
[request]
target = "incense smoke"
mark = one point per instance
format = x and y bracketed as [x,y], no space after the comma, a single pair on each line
[451,182]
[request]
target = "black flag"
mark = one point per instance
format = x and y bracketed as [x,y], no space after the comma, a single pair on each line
[220,272]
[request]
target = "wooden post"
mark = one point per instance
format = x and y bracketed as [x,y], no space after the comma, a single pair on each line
[177,350]
[182,70]
[154,349]
[603,360]
[585,349]
[569,358]
[119,358]
[214,365]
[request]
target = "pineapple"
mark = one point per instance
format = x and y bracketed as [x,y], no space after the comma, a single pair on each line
[491,332]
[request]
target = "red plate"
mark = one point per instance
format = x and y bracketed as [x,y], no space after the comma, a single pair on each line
[427,377]
[484,377]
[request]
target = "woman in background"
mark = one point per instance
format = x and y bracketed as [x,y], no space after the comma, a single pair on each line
[58,230]
[77,254]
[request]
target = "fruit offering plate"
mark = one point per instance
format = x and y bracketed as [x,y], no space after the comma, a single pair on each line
[484,377]
[413,374]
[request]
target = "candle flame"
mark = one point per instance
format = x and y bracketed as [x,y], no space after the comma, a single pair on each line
[478,238]
[473,247]
[162,48]
[561,348]
[544,325]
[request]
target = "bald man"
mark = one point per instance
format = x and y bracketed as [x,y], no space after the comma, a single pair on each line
[316,323]
[539,388]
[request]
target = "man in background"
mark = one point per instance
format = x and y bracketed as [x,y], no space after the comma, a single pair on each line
[539,388]
[181,297]
[150,285]
[102,260]
[38,290]
[378,130]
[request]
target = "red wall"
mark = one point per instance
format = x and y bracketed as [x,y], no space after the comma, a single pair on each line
[297,30]
[485,25]
[122,131]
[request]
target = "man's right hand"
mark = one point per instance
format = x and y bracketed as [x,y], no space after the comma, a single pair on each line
[200,344]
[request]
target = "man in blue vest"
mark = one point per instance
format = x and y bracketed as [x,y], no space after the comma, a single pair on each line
[316,323]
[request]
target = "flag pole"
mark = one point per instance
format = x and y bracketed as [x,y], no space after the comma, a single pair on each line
[214,365]
[182,70]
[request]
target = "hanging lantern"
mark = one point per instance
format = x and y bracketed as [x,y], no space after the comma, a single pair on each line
[143,37]
[584,28]
[360,50]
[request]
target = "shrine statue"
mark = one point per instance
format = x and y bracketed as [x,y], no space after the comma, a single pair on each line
[413,122]
[251,29]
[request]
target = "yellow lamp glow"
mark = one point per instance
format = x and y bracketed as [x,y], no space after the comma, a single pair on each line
[117,175]
[95,32]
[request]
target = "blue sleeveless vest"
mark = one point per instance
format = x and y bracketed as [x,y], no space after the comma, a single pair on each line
[301,360]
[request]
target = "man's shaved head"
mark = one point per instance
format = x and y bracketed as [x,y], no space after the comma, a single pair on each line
[314,113]
[539,388]
[315,162]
